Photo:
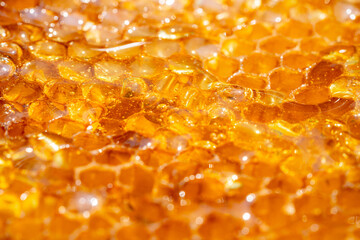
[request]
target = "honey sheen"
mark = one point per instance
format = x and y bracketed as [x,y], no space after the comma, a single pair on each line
[179,119]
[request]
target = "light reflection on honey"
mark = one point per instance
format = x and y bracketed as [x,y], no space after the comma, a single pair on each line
[179,119]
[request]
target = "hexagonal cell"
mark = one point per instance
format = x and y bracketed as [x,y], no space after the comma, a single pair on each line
[96,178]
[260,63]
[276,44]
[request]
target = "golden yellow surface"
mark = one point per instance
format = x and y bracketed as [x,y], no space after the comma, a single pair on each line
[179,119]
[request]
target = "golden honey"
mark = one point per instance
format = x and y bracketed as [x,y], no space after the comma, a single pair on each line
[179,119]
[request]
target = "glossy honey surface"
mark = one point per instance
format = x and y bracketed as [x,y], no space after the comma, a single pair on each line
[179,119]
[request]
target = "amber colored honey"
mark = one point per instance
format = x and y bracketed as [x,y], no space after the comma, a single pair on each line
[179,119]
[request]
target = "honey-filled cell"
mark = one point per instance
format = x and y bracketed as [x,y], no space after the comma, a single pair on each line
[179,119]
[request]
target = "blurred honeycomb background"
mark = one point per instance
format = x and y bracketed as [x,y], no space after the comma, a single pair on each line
[179,119]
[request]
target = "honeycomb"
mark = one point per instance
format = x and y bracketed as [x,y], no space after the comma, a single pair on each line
[179,119]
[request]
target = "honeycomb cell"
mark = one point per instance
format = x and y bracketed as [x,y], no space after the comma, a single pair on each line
[296,166]
[237,47]
[61,226]
[113,156]
[81,202]
[338,52]
[324,73]
[182,64]
[175,31]
[146,210]
[7,68]
[62,33]
[140,124]
[140,33]
[124,108]
[4,34]
[155,158]
[254,32]
[72,21]
[195,155]
[222,66]
[98,221]
[125,51]
[61,91]
[11,50]
[81,51]
[102,36]
[259,169]
[100,92]
[133,232]
[110,126]
[295,112]
[26,228]
[59,180]
[285,183]
[346,11]
[22,93]
[260,113]
[71,157]
[328,181]
[298,60]
[117,17]
[295,29]
[273,203]
[200,47]
[97,178]
[75,71]
[58,6]
[133,87]
[313,44]
[84,111]
[138,178]
[175,229]
[90,141]
[11,206]
[46,144]
[331,30]
[259,63]
[353,176]
[218,225]
[353,124]
[9,17]
[203,190]
[285,80]
[276,44]
[162,48]
[110,70]
[38,16]
[248,81]
[337,107]
[93,235]
[47,50]
[38,71]
[44,111]
[27,33]
[147,67]
[312,95]
[167,84]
